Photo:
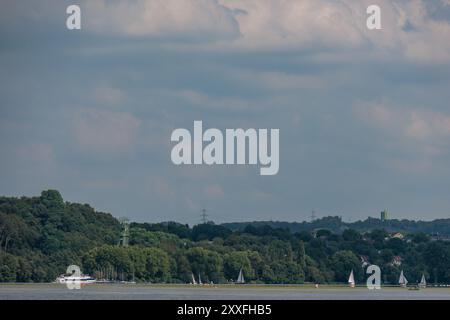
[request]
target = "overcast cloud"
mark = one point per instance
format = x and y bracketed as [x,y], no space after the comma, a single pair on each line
[364,116]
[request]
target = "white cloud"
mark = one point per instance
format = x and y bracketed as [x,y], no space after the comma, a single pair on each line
[96,130]
[214,191]
[108,95]
[199,99]
[425,130]
[297,24]
[199,19]
[342,24]
[408,29]
[413,140]
[160,186]
[279,81]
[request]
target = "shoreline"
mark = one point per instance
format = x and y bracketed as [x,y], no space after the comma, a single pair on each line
[223,286]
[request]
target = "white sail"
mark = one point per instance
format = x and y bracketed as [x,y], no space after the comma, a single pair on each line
[402,280]
[351,279]
[240,278]
[423,282]
[193,279]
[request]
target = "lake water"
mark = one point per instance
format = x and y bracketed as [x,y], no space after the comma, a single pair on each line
[149,292]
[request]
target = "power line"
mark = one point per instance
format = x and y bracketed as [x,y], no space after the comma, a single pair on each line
[125,235]
[313,215]
[204,216]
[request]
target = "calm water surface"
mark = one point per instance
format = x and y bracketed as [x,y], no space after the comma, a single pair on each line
[148,292]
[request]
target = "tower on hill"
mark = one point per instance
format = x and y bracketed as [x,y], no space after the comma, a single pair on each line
[384,215]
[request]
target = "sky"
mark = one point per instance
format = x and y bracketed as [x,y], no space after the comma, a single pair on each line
[364,115]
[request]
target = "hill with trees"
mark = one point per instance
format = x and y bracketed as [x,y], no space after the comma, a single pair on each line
[41,236]
[336,225]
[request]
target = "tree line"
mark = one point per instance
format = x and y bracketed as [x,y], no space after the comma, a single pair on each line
[41,236]
[336,224]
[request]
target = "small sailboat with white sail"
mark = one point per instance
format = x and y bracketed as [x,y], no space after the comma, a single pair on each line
[351,280]
[402,281]
[240,278]
[423,282]
[193,280]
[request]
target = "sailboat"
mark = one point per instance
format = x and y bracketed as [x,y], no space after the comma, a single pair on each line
[351,280]
[199,279]
[240,278]
[402,280]
[423,282]
[193,279]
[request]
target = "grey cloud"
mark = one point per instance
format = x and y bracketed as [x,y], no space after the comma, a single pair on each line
[91,113]
[97,131]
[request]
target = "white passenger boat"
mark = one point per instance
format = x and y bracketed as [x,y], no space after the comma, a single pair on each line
[75,279]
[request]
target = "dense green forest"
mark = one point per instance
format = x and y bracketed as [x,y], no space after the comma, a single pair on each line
[335,224]
[41,236]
